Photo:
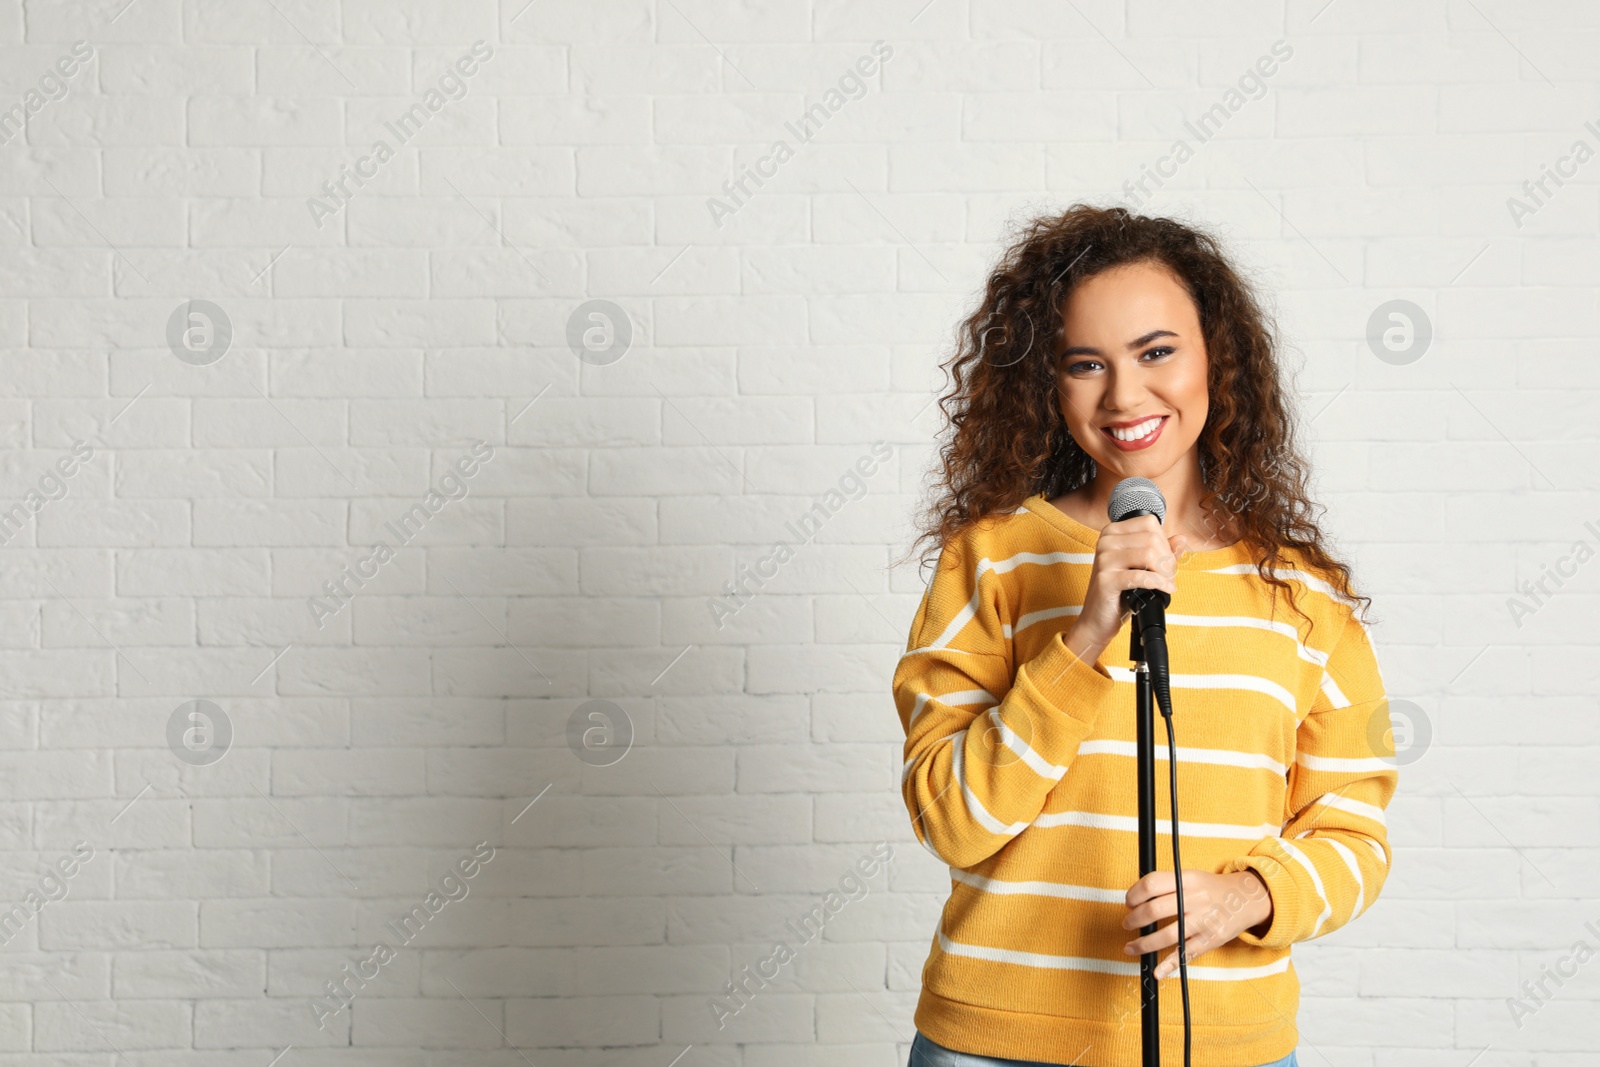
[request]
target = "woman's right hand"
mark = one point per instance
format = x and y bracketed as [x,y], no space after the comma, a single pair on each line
[1131,554]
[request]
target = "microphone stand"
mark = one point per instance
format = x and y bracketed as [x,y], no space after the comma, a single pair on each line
[1143,602]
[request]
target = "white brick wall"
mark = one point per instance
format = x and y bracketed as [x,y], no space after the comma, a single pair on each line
[429,312]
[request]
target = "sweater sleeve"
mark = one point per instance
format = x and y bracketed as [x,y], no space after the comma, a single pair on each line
[984,747]
[1332,857]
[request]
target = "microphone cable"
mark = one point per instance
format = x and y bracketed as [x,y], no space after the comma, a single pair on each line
[1177,873]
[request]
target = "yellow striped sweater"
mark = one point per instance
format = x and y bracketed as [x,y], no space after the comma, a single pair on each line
[1020,775]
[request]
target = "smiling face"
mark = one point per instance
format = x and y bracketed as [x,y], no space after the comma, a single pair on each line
[1131,372]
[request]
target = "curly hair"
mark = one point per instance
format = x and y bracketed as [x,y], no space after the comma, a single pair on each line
[1006,439]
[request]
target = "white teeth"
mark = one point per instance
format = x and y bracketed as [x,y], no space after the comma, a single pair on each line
[1137,431]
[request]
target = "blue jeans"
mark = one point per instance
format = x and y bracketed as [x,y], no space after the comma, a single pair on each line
[925,1053]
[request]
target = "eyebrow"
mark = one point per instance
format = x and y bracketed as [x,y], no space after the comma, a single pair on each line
[1137,342]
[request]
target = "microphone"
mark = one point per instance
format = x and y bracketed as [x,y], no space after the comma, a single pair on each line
[1141,496]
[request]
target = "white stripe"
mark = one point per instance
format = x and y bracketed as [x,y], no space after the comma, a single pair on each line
[1010,739]
[1336,695]
[1045,559]
[925,649]
[1063,890]
[1099,966]
[1044,616]
[1383,857]
[954,699]
[963,616]
[1354,807]
[968,696]
[1037,763]
[1364,627]
[1377,666]
[1303,651]
[1355,870]
[1251,682]
[969,610]
[906,768]
[1310,580]
[1098,821]
[974,805]
[1227,757]
[1340,765]
[1316,880]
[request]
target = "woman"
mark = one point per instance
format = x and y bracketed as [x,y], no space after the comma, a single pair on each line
[1110,346]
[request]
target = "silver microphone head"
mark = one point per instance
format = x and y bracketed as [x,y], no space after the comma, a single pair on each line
[1132,496]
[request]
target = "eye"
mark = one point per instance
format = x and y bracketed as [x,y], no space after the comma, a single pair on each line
[1085,366]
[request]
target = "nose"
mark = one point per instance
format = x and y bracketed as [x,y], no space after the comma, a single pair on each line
[1125,389]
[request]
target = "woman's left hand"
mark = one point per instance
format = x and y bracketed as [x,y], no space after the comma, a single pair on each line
[1216,909]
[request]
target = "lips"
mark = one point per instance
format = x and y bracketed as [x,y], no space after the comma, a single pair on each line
[1150,429]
